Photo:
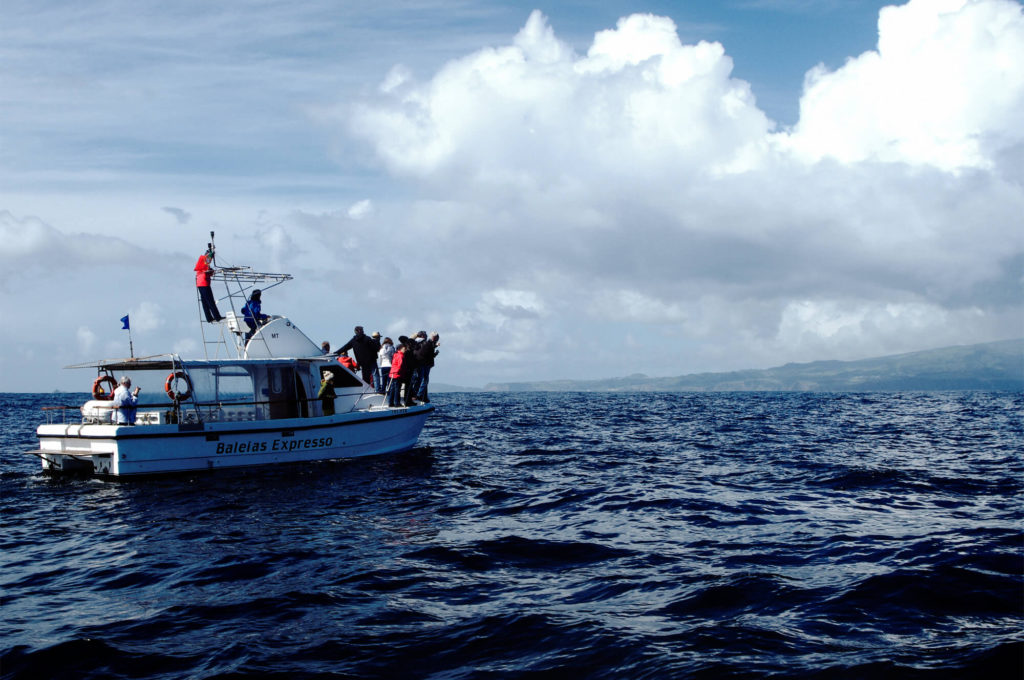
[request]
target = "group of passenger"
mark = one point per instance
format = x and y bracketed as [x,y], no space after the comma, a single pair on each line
[401,372]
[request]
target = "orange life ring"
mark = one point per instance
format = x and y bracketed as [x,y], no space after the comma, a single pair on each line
[170,386]
[97,388]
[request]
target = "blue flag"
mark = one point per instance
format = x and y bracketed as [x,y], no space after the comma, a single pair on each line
[124,320]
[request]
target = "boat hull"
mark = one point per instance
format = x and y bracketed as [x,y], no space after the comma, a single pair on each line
[124,451]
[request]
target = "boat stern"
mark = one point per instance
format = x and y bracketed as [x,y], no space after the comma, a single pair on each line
[65,449]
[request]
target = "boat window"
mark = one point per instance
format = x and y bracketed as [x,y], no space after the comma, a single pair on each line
[204,383]
[342,378]
[234,384]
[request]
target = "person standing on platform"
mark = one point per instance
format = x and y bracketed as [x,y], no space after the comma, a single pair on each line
[125,402]
[411,364]
[378,385]
[407,369]
[365,350]
[425,354]
[204,269]
[395,386]
[387,350]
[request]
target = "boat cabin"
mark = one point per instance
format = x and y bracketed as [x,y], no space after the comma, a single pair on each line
[226,390]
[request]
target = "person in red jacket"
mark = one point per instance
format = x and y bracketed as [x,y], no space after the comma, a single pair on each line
[203,271]
[345,360]
[395,384]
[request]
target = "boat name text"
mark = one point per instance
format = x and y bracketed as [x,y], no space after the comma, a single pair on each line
[275,445]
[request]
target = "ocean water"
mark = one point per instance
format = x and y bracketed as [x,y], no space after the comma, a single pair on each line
[545,535]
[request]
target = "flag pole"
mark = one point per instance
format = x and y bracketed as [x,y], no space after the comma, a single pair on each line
[128,327]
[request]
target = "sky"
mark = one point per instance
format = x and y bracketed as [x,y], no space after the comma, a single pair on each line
[580,190]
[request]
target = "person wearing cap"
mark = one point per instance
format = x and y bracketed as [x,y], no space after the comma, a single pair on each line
[204,269]
[252,312]
[365,350]
[326,394]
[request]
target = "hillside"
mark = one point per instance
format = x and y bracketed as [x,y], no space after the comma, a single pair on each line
[989,366]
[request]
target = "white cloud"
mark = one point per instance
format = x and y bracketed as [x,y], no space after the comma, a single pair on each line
[86,339]
[637,104]
[640,181]
[631,306]
[944,88]
[187,347]
[360,209]
[147,316]
[22,237]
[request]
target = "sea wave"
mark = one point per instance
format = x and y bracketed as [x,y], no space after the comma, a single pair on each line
[568,535]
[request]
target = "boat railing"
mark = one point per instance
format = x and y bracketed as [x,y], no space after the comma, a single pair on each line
[58,415]
[247,411]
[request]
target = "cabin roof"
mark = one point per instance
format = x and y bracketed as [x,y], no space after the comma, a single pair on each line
[167,363]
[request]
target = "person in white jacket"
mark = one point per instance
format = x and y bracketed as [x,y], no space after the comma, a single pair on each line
[387,350]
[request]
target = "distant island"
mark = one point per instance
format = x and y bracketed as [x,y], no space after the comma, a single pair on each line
[988,366]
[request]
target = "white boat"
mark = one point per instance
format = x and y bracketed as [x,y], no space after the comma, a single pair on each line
[256,405]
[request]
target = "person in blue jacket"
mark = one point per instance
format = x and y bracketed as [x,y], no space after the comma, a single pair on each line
[251,311]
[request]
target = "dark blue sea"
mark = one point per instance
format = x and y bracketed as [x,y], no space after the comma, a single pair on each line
[539,535]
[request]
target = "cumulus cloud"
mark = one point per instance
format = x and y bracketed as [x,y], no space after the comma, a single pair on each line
[534,113]
[944,88]
[639,183]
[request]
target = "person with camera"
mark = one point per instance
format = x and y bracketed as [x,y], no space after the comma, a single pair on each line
[125,403]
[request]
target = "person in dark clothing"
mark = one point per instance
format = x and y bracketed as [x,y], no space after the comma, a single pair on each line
[377,383]
[365,350]
[407,370]
[425,353]
[411,365]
